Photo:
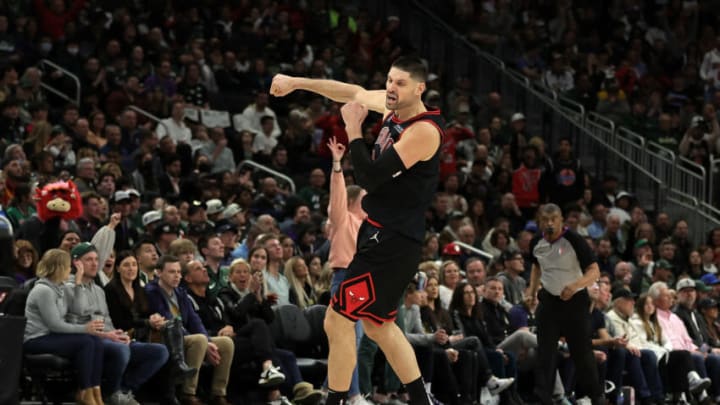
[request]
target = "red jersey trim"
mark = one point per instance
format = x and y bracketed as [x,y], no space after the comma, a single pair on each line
[395,119]
[374,223]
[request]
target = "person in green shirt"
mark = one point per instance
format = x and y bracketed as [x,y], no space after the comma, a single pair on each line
[21,207]
[213,250]
[314,193]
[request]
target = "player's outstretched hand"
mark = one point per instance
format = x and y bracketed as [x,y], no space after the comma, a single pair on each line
[282,85]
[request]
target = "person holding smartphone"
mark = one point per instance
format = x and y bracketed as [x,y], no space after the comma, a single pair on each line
[128,364]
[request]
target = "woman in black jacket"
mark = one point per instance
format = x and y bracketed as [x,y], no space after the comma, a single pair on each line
[250,312]
[467,318]
[127,302]
[435,317]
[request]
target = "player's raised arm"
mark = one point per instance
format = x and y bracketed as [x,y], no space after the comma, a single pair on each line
[374,100]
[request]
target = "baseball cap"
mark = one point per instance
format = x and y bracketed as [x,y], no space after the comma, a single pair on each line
[81,249]
[641,242]
[706,303]
[517,117]
[195,206]
[664,264]
[214,206]
[432,94]
[685,283]
[151,217]
[225,226]
[451,249]
[121,195]
[198,229]
[133,192]
[456,215]
[696,121]
[166,227]
[232,210]
[531,226]
[623,293]
[623,194]
[701,286]
[710,279]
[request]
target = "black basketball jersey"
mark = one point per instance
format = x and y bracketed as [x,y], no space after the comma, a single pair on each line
[400,203]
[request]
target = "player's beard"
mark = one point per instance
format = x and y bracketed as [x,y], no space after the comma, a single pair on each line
[392,103]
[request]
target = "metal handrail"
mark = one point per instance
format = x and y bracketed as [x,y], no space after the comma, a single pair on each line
[660,150]
[78,85]
[150,115]
[268,170]
[597,119]
[462,38]
[647,160]
[474,249]
[631,136]
[562,99]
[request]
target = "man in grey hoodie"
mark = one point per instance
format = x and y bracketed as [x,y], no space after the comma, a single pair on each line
[127,364]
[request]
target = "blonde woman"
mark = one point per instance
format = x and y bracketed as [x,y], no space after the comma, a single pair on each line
[302,292]
[449,276]
[47,332]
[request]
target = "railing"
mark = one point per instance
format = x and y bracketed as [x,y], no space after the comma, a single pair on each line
[652,172]
[474,250]
[151,116]
[65,72]
[275,173]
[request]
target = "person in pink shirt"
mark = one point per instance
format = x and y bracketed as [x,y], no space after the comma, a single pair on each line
[345,215]
[677,335]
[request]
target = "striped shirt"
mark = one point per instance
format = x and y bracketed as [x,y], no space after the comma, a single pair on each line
[562,261]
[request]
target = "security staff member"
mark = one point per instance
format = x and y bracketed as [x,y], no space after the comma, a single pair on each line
[565,265]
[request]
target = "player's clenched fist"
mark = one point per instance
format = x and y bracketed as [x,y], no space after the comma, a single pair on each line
[282,85]
[354,114]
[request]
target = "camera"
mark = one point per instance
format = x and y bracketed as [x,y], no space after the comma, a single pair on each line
[701,126]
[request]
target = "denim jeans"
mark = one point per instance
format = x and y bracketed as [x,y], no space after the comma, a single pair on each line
[127,367]
[83,350]
[146,359]
[116,359]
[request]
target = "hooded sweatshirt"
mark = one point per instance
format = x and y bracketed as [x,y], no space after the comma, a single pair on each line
[45,311]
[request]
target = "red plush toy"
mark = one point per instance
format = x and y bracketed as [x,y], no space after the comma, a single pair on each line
[59,200]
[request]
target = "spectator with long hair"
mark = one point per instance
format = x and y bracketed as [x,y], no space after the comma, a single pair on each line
[128,307]
[249,312]
[21,207]
[467,318]
[315,268]
[435,318]
[26,261]
[676,366]
[673,327]
[302,292]
[47,332]
[449,277]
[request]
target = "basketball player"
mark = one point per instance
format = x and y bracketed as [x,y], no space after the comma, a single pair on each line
[400,179]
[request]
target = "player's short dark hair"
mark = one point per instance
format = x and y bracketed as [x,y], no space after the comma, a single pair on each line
[413,65]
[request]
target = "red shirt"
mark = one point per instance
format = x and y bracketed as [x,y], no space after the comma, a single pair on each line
[525,186]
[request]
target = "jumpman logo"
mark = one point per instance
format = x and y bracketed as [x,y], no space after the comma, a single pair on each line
[375,237]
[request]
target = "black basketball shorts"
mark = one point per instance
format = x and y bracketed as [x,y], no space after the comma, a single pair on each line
[384,264]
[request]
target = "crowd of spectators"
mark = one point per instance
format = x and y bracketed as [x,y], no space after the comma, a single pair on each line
[168,211]
[649,66]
